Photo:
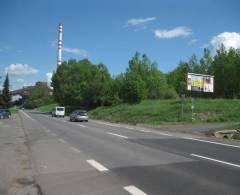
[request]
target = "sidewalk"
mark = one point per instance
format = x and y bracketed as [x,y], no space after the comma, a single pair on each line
[16,175]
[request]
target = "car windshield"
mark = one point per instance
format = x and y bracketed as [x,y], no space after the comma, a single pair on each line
[60,109]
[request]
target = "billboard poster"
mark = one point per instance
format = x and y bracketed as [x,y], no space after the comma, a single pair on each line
[200,82]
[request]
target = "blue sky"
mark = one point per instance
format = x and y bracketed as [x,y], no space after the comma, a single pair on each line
[110,31]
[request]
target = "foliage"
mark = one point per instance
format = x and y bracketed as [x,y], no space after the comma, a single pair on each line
[37,96]
[226,69]
[133,89]
[47,108]
[81,83]
[5,98]
[169,111]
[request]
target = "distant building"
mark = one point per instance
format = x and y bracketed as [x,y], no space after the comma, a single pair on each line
[20,93]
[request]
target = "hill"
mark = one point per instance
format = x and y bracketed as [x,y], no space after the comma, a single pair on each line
[170,111]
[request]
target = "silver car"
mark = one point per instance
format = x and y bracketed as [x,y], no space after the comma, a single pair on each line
[79,115]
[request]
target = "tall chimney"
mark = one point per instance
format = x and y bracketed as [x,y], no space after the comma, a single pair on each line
[59,56]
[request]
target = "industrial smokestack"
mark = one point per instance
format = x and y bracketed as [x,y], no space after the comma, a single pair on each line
[59,57]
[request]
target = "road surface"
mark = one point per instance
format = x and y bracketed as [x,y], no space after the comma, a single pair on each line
[72,158]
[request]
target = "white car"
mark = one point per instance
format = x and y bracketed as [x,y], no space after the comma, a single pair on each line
[58,112]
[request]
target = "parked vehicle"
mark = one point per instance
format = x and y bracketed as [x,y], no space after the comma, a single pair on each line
[58,112]
[79,115]
[4,113]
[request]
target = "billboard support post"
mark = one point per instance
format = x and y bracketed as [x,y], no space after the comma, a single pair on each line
[192,108]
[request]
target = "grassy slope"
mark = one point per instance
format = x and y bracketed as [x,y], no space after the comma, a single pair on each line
[47,108]
[164,111]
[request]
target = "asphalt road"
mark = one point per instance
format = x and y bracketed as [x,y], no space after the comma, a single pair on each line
[102,158]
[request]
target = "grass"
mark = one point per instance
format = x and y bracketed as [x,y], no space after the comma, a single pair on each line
[169,111]
[13,110]
[47,108]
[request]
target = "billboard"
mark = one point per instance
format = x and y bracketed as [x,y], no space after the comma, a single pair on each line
[200,82]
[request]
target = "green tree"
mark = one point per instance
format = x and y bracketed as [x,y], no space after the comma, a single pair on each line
[133,88]
[177,78]
[6,97]
[205,62]
[226,69]
[82,84]
[38,96]
[155,81]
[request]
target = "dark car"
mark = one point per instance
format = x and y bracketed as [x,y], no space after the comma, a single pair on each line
[79,115]
[4,113]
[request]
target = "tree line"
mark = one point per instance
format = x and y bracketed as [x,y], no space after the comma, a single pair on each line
[5,97]
[84,84]
[224,66]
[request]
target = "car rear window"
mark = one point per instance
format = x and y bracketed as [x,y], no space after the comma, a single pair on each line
[82,113]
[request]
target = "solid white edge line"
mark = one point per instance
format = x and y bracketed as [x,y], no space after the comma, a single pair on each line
[211,142]
[122,136]
[97,165]
[61,140]
[215,160]
[75,150]
[134,190]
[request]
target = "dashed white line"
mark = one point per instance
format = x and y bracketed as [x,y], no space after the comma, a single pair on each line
[211,142]
[129,128]
[97,165]
[75,150]
[215,160]
[108,124]
[122,136]
[61,140]
[80,125]
[166,134]
[134,190]
[145,131]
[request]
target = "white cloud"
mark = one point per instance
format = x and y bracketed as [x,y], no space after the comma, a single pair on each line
[228,39]
[205,45]
[20,80]
[49,77]
[192,41]
[20,69]
[76,51]
[173,33]
[139,21]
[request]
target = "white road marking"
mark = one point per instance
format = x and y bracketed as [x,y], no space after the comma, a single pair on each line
[215,160]
[27,115]
[134,190]
[211,142]
[129,128]
[61,140]
[109,124]
[75,150]
[122,136]
[145,131]
[166,134]
[80,125]
[97,165]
